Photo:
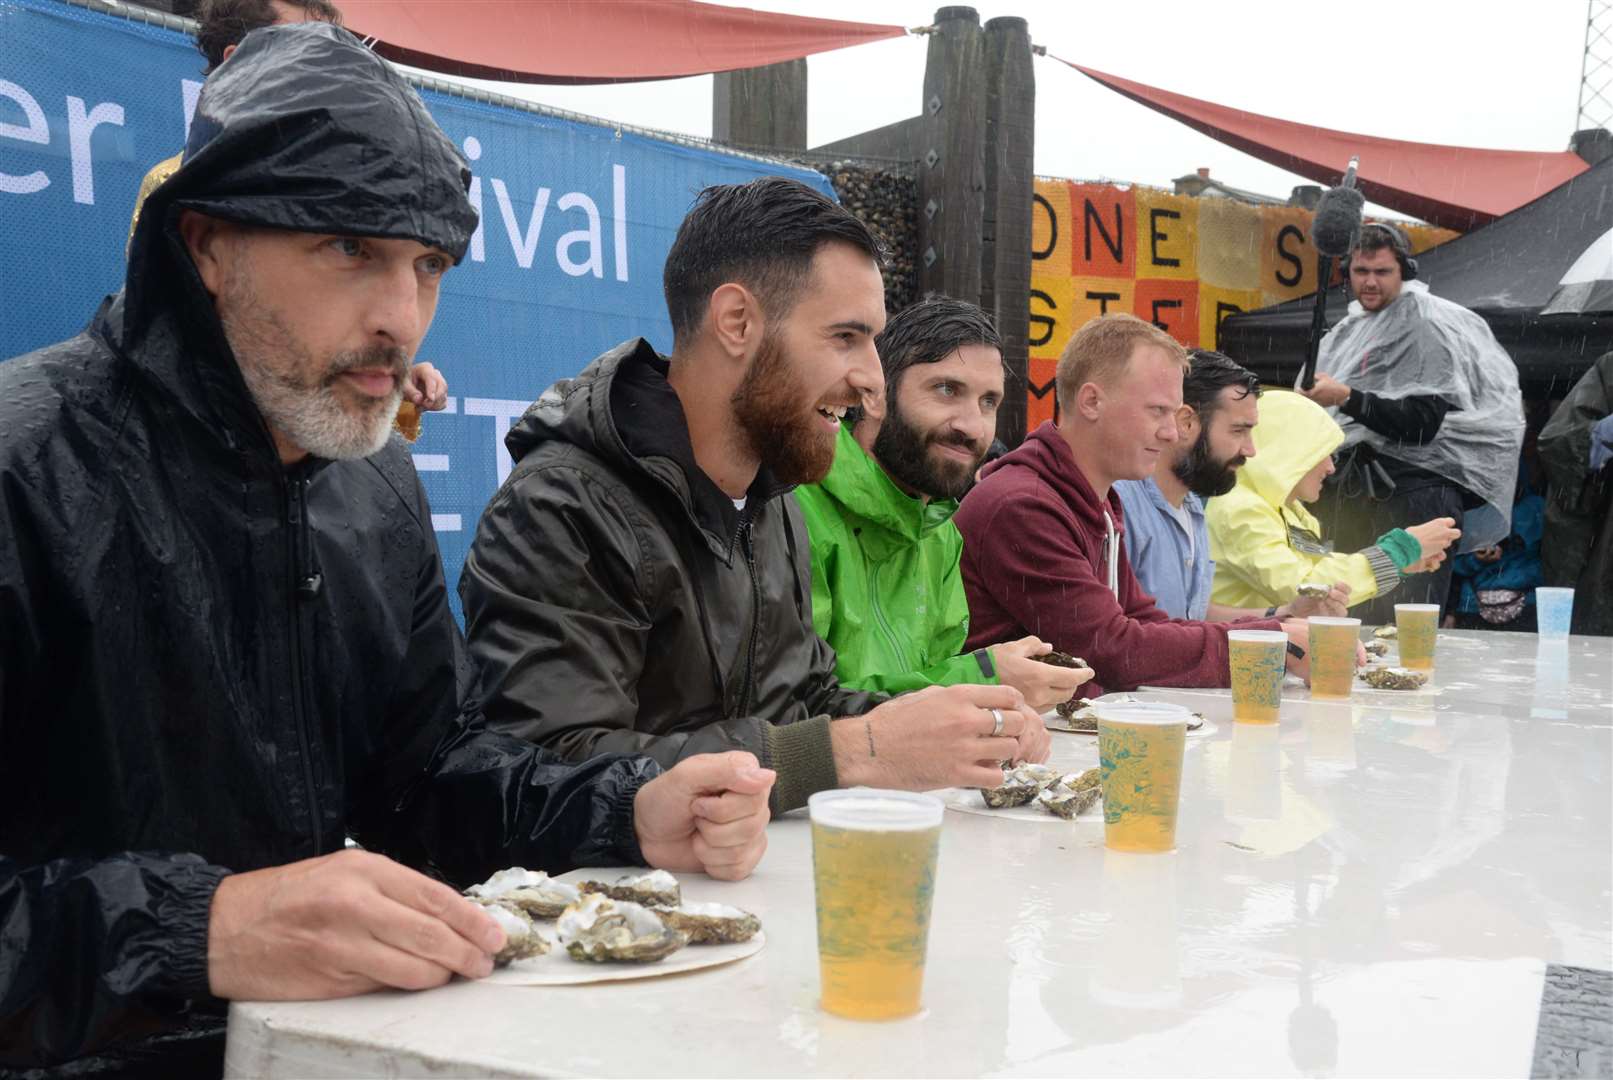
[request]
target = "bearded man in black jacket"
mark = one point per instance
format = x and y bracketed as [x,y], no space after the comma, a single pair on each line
[225,640]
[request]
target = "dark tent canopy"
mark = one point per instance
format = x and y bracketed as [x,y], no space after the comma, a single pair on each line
[1505,272]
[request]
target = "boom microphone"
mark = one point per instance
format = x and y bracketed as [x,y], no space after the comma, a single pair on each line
[1337,222]
[1333,230]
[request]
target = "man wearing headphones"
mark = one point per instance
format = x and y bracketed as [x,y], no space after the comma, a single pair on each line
[1431,411]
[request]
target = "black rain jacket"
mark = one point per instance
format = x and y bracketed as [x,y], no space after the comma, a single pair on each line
[210,663]
[615,598]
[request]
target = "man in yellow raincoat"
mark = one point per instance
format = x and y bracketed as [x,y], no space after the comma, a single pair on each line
[1266,544]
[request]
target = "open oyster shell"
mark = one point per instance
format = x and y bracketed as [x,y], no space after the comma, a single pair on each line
[521,938]
[1020,785]
[530,891]
[655,888]
[1065,803]
[711,924]
[1393,678]
[1377,647]
[602,930]
[1389,631]
[1311,590]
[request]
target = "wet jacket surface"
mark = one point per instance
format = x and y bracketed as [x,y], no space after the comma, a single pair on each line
[1266,545]
[1577,551]
[616,599]
[210,663]
[887,593]
[1035,562]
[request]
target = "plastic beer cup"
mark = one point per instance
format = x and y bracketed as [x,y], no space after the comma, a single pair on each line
[1554,610]
[873,868]
[1258,660]
[1416,626]
[1140,747]
[1333,643]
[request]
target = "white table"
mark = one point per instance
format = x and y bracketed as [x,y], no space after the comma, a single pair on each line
[1373,888]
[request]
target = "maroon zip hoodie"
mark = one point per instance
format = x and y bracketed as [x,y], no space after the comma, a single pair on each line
[1033,563]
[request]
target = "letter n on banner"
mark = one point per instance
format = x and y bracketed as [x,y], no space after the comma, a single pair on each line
[1103,230]
[1173,306]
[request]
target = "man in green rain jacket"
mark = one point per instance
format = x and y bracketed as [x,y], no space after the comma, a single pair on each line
[886,590]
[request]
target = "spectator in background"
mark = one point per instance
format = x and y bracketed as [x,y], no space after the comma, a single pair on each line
[1167,539]
[1044,532]
[886,594]
[1266,544]
[1575,449]
[1431,413]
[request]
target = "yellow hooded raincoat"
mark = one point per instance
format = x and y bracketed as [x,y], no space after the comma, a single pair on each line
[1266,546]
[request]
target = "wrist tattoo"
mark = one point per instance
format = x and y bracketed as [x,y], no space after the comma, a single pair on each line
[868,726]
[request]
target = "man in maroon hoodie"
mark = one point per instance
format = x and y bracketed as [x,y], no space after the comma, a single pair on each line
[1043,535]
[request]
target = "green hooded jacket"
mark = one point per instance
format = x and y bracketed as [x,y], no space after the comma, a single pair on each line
[886,589]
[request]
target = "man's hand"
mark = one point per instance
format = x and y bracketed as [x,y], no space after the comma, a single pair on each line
[938,737]
[339,925]
[707,813]
[1328,392]
[1335,603]
[1044,685]
[426,388]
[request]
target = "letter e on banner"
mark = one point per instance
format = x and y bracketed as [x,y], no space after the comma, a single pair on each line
[1173,306]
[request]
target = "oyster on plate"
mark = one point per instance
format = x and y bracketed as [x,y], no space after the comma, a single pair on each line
[1377,647]
[654,888]
[1311,590]
[602,930]
[711,924]
[1079,714]
[1393,678]
[1020,785]
[1082,781]
[1065,803]
[530,891]
[1388,631]
[521,938]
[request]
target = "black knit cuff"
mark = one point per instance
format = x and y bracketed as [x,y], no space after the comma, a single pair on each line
[185,914]
[803,757]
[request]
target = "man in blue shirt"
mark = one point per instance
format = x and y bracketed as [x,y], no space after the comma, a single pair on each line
[1167,540]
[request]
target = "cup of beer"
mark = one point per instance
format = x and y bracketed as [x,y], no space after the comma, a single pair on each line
[1140,748]
[1258,660]
[873,869]
[1333,642]
[1415,627]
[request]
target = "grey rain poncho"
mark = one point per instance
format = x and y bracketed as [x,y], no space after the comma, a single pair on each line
[1421,344]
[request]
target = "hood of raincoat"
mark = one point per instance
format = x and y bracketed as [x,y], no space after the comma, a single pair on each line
[1422,344]
[889,517]
[304,129]
[1294,434]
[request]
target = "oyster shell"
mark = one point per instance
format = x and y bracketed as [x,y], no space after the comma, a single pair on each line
[529,891]
[711,924]
[1311,590]
[602,930]
[1078,711]
[1065,803]
[655,888]
[1082,781]
[1020,785]
[1389,631]
[1377,647]
[1061,659]
[521,938]
[1393,678]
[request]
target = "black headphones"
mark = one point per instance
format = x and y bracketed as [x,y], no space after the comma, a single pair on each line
[1397,244]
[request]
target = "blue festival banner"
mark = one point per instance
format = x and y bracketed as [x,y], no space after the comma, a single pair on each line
[576,221]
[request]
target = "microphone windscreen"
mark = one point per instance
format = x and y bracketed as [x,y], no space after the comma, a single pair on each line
[1337,221]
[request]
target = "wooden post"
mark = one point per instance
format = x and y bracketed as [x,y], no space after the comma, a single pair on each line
[761,106]
[951,167]
[1009,156]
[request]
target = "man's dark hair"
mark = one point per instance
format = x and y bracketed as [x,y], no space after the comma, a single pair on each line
[928,332]
[762,235]
[225,22]
[1210,373]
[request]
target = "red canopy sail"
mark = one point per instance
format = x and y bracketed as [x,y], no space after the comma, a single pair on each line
[593,41]
[1459,187]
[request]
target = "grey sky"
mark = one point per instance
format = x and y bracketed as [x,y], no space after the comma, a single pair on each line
[1479,73]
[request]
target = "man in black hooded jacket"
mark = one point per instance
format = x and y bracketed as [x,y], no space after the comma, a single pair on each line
[225,641]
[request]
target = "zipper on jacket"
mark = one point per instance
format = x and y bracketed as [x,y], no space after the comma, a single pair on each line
[755,618]
[300,557]
[902,661]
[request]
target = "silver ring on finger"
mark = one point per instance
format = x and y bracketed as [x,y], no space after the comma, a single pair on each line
[996,722]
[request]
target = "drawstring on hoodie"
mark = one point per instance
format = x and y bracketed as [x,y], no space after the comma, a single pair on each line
[1111,554]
